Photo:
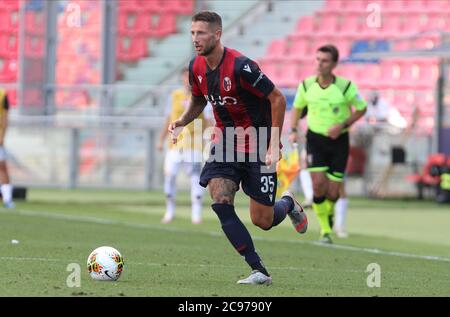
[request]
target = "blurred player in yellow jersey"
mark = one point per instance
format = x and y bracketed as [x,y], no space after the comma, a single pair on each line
[186,153]
[6,188]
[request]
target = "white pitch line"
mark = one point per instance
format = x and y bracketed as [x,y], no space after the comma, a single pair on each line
[217,234]
[197,265]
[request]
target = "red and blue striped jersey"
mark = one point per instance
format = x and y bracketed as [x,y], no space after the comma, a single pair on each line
[237,89]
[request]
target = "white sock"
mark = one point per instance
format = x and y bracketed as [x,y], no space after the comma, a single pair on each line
[171,192]
[341,213]
[6,190]
[196,198]
[307,186]
[170,207]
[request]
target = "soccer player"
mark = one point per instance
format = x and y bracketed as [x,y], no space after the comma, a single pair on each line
[187,154]
[243,98]
[6,188]
[328,100]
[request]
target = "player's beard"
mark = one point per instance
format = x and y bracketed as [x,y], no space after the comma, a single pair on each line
[208,49]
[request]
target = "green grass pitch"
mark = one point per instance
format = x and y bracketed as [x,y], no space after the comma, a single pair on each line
[410,241]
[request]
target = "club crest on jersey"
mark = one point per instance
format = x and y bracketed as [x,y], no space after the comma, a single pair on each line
[227,84]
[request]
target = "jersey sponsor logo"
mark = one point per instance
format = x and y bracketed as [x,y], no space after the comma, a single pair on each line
[227,84]
[221,101]
[200,79]
[247,68]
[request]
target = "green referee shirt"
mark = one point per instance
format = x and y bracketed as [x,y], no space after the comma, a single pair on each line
[330,106]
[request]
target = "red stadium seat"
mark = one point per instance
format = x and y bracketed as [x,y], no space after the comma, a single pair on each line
[130,5]
[131,49]
[8,72]
[291,76]
[306,70]
[9,46]
[437,5]
[34,47]
[166,25]
[277,50]
[300,49]
[34,23]
[351,24]
[9,20]
[306,25]
[329,23]
[335,5]
[13,5]
[154,6]
[357,6]
[178,6]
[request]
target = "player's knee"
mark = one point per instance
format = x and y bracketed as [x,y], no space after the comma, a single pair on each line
[263,223]
[222,199]
[319,188]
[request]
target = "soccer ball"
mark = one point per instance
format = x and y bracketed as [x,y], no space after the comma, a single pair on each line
[105,264]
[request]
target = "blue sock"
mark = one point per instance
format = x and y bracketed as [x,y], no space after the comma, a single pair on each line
[238,235]
[280,210]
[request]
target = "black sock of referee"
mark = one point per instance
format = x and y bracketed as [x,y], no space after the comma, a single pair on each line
[239,236]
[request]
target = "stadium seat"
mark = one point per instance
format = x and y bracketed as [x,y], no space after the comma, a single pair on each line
[8,71]
[9,20]
[329,23]
[306,70]
[9,46]
[34,47]
[357,6]
[131,5]
[435,21]
[393,5]
[277,50]
[166,25]
[299,50]
[13,5]
[152,6]
[290,76]
[34,23]
[437,5]
[306,25]
[351,24]
[131,49]
[178,6]
[335,5]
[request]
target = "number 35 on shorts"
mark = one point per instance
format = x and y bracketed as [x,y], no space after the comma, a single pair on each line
[267,184]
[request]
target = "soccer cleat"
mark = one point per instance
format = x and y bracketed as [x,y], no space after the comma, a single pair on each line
[341,233]
[297,215]
[326,239]
[256,278]
[167,219]
[9,205]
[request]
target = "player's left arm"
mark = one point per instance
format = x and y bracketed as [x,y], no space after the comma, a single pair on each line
[257,83]
[278,109]
[359,104]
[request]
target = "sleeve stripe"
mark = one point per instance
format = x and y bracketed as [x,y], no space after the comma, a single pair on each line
[346,88]
[261,75]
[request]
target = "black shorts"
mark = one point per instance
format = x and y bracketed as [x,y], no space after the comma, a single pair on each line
[256,183]
[327,155]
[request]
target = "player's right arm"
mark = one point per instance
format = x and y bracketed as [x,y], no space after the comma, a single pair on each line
[195,108]
[297,112]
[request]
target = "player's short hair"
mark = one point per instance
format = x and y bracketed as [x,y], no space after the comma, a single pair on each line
[208,17]
[329,48]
